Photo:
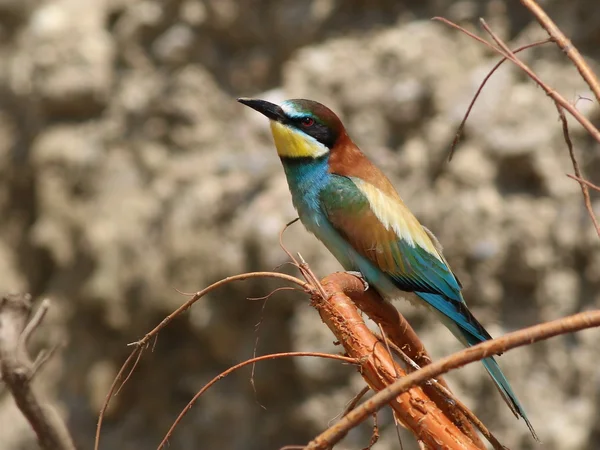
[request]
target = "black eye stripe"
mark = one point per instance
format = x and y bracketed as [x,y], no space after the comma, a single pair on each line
[322,134]
[317,130]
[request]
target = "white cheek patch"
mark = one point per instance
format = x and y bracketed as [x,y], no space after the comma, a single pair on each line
[289,110]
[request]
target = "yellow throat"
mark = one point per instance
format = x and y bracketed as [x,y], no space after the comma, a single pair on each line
[291,143]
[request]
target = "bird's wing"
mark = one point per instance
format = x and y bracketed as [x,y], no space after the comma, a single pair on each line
[382,229]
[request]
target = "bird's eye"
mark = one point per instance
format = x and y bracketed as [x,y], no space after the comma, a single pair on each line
[307,121]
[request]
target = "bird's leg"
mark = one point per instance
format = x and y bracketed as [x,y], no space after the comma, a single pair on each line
[360,276]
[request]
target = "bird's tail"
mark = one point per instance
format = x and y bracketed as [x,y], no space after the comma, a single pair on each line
[461,322]
[503,386]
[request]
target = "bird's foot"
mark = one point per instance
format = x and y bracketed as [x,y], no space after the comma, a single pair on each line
[360,276]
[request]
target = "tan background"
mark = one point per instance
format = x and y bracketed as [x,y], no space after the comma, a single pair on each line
[127,169]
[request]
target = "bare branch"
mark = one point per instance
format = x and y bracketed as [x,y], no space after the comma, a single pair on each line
[560,102]
[403,336]
[503,50]
[583,181]
[198,295]
[413,408]
[248,362]
[113,387]
[140,346]
[480,89]
[451,399]
[508,342]
[584,188]
[565,44]
[17,370]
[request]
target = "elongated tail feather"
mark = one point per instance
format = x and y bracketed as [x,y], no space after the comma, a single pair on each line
[459,320]
[506,391]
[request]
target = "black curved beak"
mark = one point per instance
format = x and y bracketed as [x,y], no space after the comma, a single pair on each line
[271,110]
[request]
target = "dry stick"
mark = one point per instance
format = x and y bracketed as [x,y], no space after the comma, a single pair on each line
[142,343]
[111,391]
[399,332]
[198,295]
[414,409]
[558,99]
[357,398]
[586,182]
[478,352]
[374,435]
[565,44]
[584,188]
[551,92]
[480,89]
[133,367]
[17,370]
[239,366]
[507,53]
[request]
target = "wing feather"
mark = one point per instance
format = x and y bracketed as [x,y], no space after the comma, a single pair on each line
[382,229]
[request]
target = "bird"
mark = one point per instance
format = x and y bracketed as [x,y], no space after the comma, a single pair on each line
[354,210]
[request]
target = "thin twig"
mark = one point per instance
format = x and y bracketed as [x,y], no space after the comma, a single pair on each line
[584,188]
[357,398]
[508,342]
[560,101]
[283,247]
[565,44]
[130,373]
[480,89]
[239,366]
[559,106]
[507,53]
[310,277]
[35,322]
[143,343]
[198,295]
[374,434]
[583,181]
[42,358]
[111,391]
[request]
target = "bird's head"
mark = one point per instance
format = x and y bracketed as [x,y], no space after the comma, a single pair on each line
[301,128]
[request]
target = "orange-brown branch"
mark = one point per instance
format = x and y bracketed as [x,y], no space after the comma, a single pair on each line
[399,331]
[526,336]
[414,409]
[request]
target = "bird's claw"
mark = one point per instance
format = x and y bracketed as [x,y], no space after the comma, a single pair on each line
[360,276]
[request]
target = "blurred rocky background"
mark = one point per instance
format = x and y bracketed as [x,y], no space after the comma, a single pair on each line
[127,170]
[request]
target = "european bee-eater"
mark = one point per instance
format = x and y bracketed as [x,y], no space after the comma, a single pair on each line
[352,208]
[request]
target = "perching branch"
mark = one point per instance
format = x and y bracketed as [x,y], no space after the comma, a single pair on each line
[18,369]
[412,408]
[403,336]
[577,322]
